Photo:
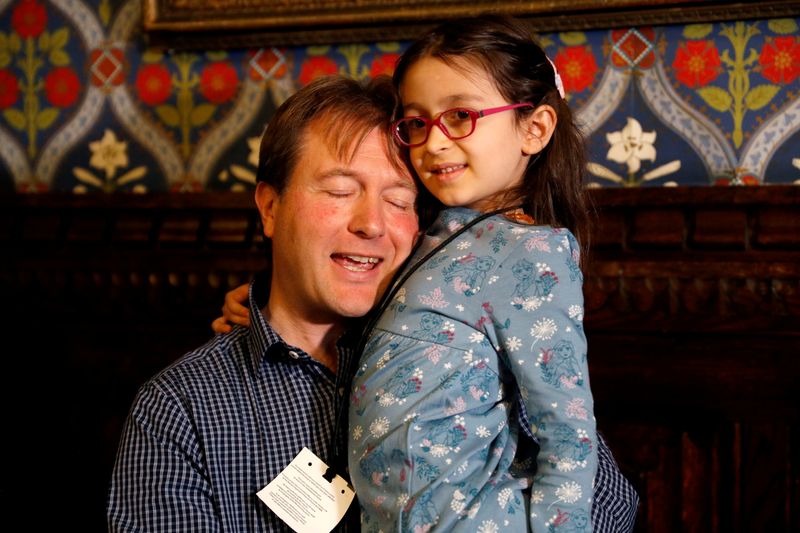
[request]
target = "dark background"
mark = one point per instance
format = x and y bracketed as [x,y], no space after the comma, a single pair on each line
[692,313]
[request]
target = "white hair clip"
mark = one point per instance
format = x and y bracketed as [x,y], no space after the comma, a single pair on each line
[559,83]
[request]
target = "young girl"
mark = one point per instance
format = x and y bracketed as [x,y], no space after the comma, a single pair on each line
[489,304]
[485,321]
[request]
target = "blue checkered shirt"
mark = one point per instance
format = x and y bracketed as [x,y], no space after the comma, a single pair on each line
[207,433]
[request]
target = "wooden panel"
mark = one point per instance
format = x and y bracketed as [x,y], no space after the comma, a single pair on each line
[692,313]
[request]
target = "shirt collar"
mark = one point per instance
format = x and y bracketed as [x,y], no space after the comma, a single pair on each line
[265,343]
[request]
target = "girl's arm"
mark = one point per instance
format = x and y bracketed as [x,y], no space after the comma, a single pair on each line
[540,311]
[234,310]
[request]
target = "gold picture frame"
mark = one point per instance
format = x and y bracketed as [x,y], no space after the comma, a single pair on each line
[214,24]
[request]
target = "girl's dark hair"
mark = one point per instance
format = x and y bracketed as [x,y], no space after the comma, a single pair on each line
[552,187]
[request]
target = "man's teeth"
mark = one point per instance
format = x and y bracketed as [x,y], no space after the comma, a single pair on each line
[359,263]
[362,259]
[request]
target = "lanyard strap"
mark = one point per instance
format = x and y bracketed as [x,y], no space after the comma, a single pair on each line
[339,459]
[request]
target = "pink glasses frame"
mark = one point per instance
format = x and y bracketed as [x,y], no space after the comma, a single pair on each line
[429,124]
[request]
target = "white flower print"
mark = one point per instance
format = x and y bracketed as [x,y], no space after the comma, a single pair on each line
[439,450]
[513,344]
[476,336]
[631,145]
[544,329]
[379,427]
[254,144]
[482,432]
[569,492]
[357,432]
[402,500]
[565,465]
[435,299]
[468,357]
[458,502]
[401,295]
[410,416]
[576,313]
[532,304]
[537,496]
[575,409]
[463,245]
[108,153]
[460,307]
[384,359]
[503,497]
[518,231]
[493,279]
[488,526]
[387,399]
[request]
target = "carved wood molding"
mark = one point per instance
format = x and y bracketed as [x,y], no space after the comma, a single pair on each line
[215,24]
[686,259]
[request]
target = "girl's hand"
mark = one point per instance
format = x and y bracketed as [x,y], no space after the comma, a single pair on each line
[234,311]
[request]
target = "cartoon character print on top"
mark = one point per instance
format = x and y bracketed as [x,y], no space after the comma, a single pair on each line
[534,287]
[468,273]
[434,396]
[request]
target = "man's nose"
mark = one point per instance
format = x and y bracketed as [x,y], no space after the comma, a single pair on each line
[368,218]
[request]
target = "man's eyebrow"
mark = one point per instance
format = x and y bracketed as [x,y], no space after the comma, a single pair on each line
[337,171]
[406,184]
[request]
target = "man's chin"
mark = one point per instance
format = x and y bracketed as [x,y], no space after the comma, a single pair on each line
[356,304]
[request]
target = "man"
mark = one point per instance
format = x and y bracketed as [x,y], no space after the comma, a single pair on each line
[207,433]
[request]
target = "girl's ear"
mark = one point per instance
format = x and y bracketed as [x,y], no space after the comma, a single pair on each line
[538,129]
[267,200]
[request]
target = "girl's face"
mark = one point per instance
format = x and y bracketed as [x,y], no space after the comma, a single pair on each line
[474,171]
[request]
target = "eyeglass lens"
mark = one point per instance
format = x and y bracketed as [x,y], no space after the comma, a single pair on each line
[455,123]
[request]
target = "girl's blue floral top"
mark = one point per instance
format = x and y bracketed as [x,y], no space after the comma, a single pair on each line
[494,316]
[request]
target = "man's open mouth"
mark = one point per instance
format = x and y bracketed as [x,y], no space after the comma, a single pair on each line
[357,263]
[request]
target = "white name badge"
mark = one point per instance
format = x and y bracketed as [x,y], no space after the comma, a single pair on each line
[304,499]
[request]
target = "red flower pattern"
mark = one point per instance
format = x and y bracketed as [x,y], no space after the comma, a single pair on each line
[61,86]
[780,59]
[154,84]
[697,63]
[577,67]
[218,82]
[9,88]
[317,67]
[29,18]
[384,64]
[266,59]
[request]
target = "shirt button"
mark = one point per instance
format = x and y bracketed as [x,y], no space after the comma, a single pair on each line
[341,391]
[294,355]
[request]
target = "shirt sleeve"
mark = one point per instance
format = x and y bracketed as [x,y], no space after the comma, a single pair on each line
[159,482]
[537,325]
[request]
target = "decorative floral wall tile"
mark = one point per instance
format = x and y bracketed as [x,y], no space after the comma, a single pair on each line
[86,107]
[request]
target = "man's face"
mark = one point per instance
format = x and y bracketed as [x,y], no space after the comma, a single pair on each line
[339,230]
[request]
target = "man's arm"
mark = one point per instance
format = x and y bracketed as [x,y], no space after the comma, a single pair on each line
[159,481]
